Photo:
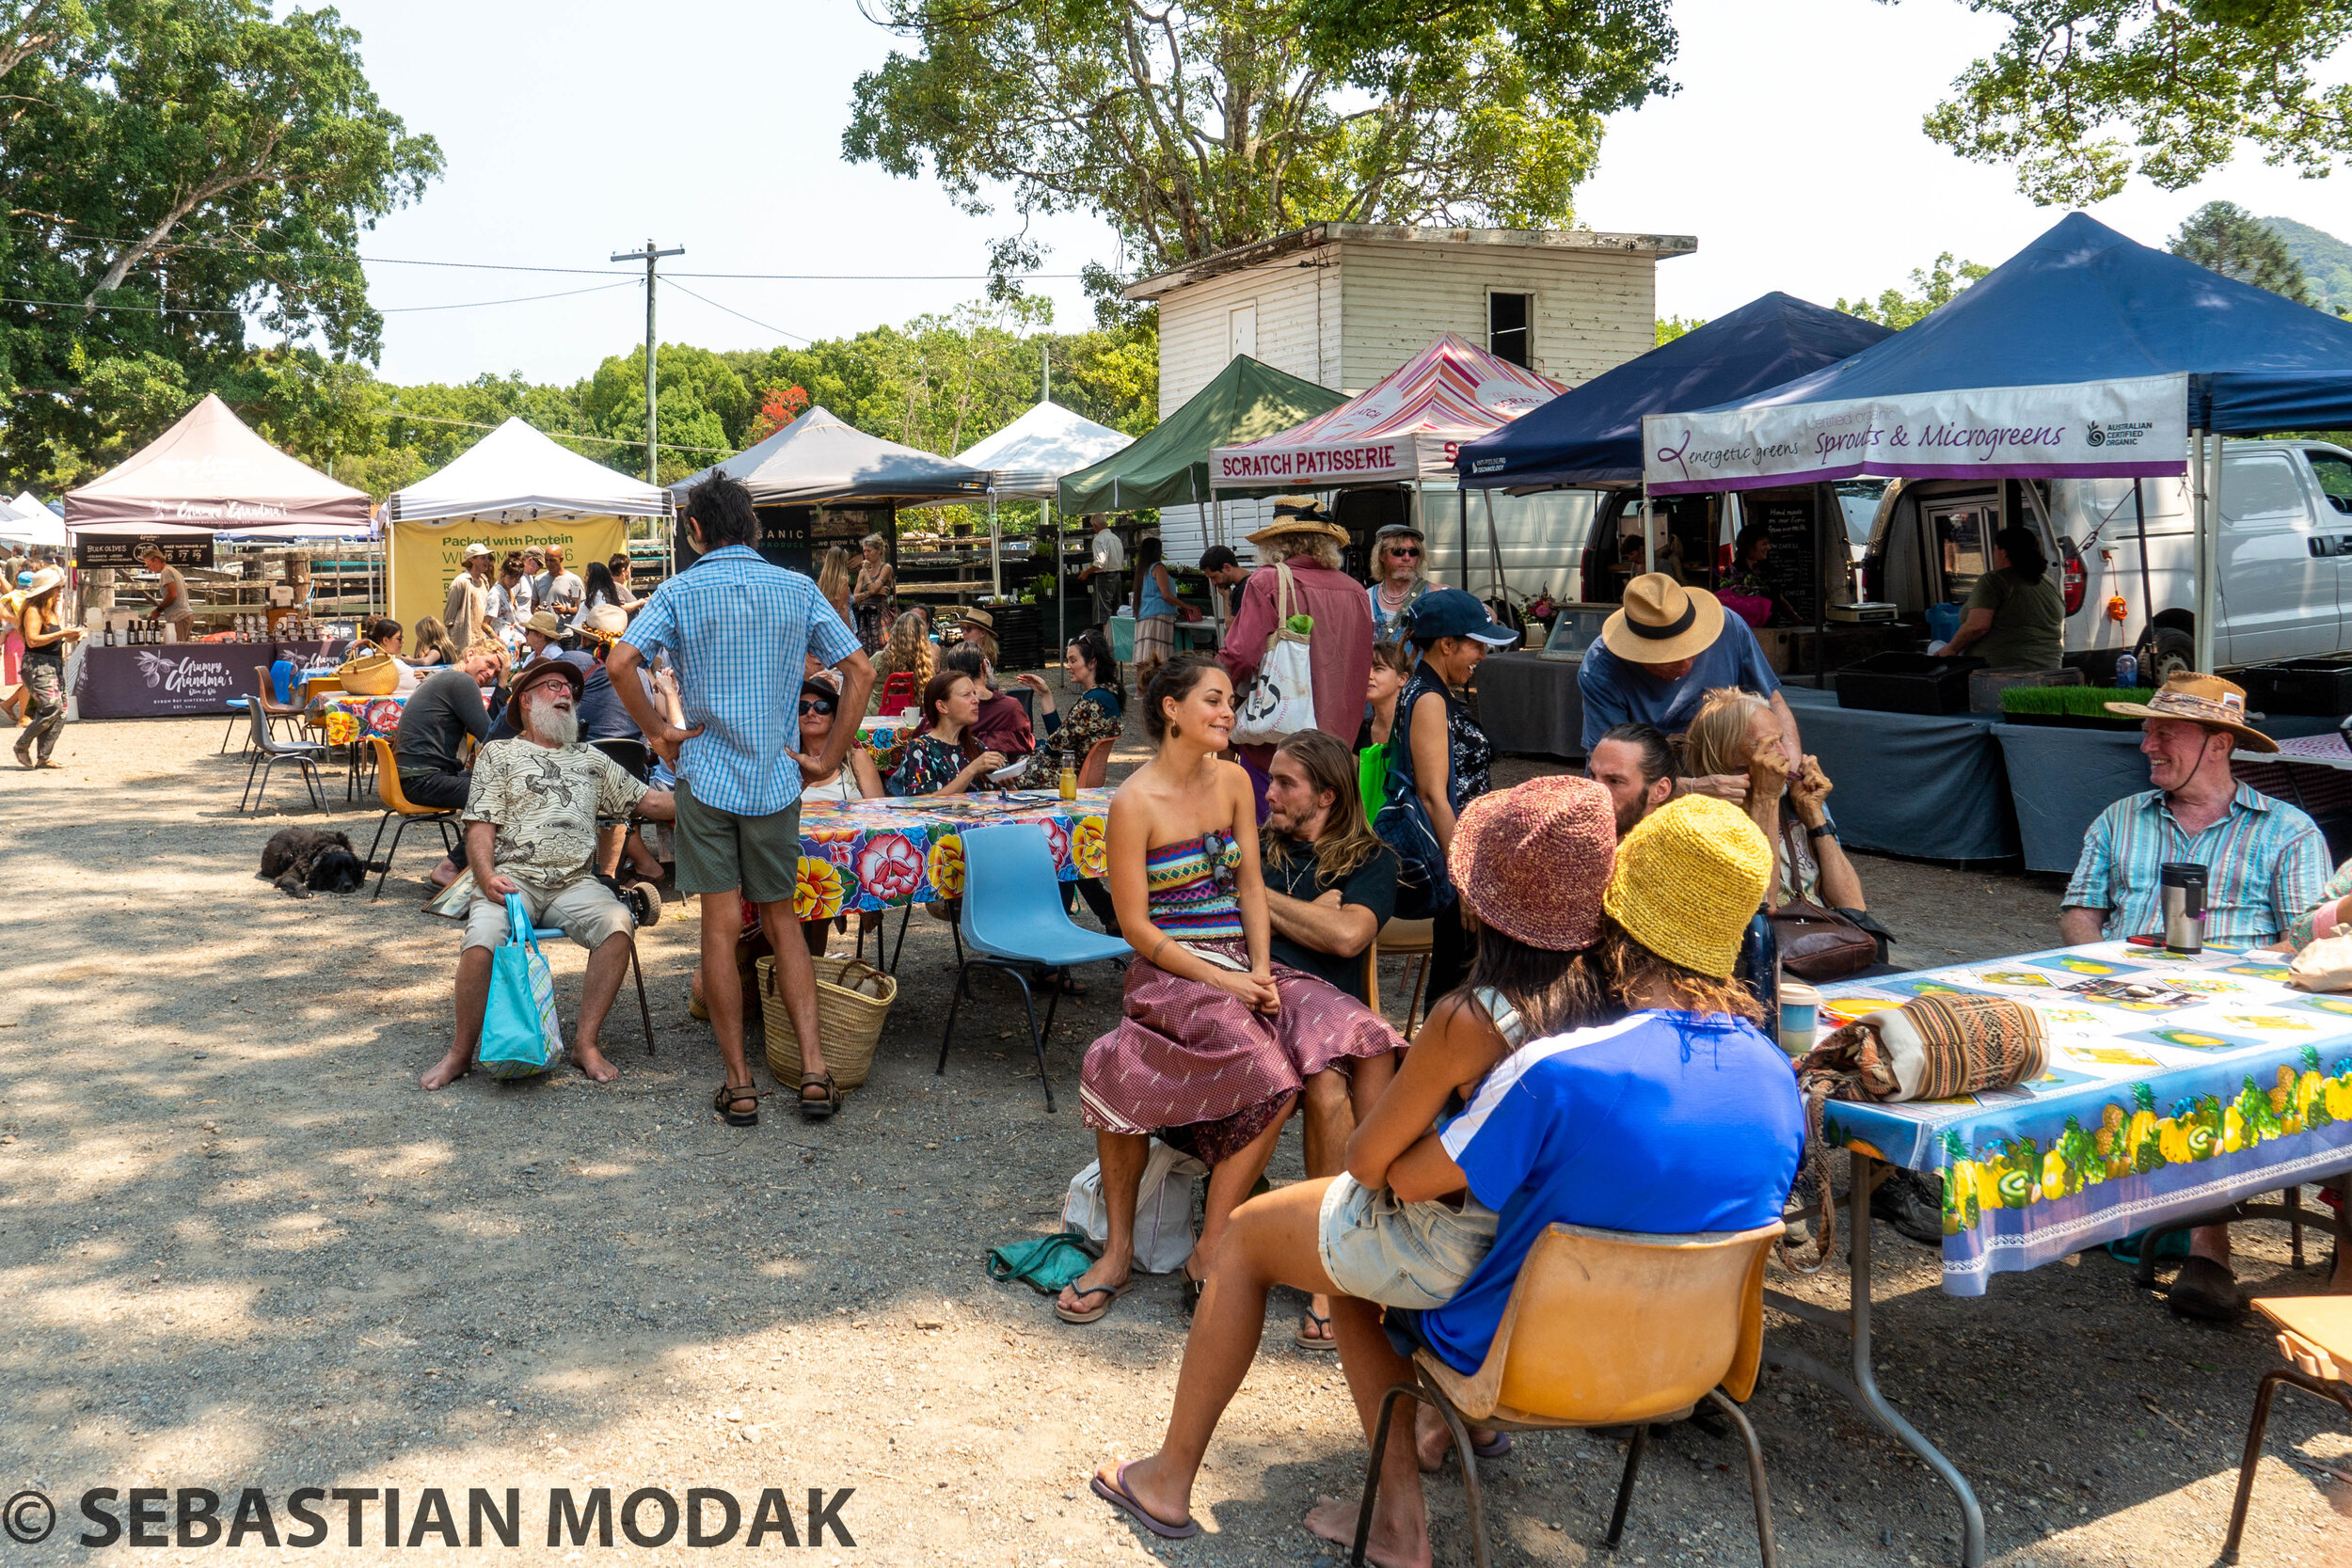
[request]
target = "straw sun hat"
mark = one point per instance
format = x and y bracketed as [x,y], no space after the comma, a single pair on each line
[1662,622]
[2197,699]
[1531,861]
[1298,515]
[1689,878]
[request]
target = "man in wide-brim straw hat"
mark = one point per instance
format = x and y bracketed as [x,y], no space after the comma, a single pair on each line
[1339,655]
[1661,654]
[2266,864]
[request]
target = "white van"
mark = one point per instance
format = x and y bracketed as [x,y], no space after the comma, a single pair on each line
[2286,540]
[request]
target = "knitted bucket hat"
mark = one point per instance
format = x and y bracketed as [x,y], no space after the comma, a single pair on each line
[1530,861]
[1689,878]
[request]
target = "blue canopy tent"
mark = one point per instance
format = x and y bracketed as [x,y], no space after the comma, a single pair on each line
[2085,355]
[1592,434]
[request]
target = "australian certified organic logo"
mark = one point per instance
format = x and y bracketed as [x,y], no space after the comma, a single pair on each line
[471,1517]
[2118,435]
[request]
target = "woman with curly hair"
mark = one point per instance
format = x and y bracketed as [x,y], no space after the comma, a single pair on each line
[908,652]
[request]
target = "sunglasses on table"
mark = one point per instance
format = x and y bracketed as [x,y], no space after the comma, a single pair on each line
[820,706]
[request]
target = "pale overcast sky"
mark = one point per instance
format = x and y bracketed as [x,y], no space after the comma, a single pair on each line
[571,131]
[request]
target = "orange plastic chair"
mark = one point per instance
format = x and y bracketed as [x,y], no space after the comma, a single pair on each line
[898,693]
[397,805]
[1095,771]
[1607,1329]
[1409,938]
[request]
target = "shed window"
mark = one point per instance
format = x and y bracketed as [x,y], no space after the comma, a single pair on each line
[1507,319]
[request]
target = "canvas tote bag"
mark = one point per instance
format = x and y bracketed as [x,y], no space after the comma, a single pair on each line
[1280,699]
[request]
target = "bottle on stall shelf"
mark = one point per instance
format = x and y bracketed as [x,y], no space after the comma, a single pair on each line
[2127,671]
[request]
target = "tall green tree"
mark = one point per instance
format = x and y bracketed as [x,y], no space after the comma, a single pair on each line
[2083,94]
[175,169]
[2234,243]
[1192,126]
[1932,286]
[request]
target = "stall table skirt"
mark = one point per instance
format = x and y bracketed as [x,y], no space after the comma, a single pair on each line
[2060,779]
[1529,703]
[1926,785]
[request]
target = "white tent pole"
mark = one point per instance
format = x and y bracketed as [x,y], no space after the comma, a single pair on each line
[2204,483]
[1051,513]
[1650,533]
[996,552]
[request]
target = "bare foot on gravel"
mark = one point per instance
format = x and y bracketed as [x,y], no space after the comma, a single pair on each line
[591,1061]
[447,1071]
[1334,1520]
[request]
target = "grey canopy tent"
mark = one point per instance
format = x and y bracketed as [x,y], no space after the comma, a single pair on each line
[819,458]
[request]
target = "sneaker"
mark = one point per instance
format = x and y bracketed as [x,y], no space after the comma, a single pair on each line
[1913,1205]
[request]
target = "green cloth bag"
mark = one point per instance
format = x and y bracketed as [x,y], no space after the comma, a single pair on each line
[1044,1264]
[1371,777]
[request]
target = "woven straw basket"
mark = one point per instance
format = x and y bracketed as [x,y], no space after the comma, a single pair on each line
[852,1000]
[371,675]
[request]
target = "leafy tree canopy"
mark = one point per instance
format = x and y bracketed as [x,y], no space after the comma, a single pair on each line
[173,170]
[1192,126]
[2234,243]
[2083,94]
[1933,287]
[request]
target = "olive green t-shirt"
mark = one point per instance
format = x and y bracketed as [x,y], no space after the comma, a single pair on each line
[2028,622]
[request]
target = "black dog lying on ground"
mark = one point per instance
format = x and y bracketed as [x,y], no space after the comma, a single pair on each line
[303,861]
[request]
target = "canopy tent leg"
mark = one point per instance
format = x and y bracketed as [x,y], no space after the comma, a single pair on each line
[1650,533]
[2147,590]
[995,553]
[2205,477]
[1048,512]
[1494,545]
[1465,521]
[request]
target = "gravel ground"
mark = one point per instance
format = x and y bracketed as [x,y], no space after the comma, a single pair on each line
[239,1248]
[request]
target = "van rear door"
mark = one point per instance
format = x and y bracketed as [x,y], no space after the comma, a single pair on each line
[2332,475]
[2278,584]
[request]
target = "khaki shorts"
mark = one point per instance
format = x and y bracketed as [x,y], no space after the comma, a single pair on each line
[718,852]
[1413,1254]
[586,910]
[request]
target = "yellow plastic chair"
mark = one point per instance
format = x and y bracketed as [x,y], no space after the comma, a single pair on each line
[1606,1328]
[2315,1336]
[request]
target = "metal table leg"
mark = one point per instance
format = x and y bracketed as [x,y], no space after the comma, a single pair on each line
[1862,1389]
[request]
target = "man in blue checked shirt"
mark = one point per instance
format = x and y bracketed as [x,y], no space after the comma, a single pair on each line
[2265,867]
[739,630]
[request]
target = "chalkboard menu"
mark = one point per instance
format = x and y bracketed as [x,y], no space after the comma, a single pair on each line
[181,548]
[1791,567]
[797,537]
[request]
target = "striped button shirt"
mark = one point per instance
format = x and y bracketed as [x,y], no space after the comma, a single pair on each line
[737,629]
[2266,862]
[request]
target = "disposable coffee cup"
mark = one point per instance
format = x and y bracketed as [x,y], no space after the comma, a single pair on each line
[1800,1015]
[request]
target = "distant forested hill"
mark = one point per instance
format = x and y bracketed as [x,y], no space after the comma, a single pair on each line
[2325,261]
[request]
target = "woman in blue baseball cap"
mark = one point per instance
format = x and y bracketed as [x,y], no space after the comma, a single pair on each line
[1441,765]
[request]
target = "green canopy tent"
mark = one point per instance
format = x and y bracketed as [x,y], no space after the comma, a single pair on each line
[1169,467]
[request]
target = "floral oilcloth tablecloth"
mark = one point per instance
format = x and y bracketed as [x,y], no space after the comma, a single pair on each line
[868,855]
[2175,1087]
[347,717]
[885,739]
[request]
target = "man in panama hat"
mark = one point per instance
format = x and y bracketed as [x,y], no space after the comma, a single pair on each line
[2265,864]
[1663,651]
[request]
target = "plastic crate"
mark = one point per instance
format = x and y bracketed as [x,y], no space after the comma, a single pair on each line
[1899,682]
[2312,687]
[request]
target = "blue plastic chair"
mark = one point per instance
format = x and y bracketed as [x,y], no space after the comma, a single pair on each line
[236,706]
[1013,920]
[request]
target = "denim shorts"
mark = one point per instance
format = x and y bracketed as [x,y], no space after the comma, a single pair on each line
[1413,1254]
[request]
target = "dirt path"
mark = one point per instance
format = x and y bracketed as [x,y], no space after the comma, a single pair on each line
[239,1248]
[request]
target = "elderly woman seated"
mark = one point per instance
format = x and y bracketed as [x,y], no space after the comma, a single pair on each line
[1735,732]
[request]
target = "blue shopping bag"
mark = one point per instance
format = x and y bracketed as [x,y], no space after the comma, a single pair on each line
[519,1032]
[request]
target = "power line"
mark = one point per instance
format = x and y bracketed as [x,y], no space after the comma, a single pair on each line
[557,434]
[731,310]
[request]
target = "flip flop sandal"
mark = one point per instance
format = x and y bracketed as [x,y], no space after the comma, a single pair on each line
[1192,1289]
[1086,1315]
[1305,1340]
[732,1095]
[1119,1497]
[819,1109]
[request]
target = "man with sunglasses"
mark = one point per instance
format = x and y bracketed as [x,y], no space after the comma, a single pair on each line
[1398,580]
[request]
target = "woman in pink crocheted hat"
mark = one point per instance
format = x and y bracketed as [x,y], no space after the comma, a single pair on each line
[1531,865]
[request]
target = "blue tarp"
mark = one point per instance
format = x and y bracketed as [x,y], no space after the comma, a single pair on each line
[2083,303]
[1592,434]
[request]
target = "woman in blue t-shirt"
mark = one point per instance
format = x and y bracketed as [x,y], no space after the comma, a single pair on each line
[1677,1117]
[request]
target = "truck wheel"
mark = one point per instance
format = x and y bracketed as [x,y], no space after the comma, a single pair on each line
[2175,652]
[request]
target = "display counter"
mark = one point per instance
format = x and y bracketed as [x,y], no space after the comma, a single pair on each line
[175,680]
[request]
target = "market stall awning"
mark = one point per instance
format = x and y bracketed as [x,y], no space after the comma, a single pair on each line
[1592,435]
[1408,425]
[819,458]
[1170,466]
[210,472]
[1027,458]
[2084,356]
[517,470]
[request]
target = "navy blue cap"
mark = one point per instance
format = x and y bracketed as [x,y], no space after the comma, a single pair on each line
[1450,612]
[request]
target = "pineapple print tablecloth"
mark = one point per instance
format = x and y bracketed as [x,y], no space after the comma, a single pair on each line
[867,855]
[2175,1087]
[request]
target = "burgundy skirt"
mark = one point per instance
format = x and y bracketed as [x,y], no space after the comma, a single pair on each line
[1190,1062]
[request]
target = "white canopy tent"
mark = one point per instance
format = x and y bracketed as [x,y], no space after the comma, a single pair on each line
[31,522]
[516,468]
[1026,460]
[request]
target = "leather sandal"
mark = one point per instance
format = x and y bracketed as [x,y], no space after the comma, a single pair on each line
[819,1109]
[732,1095]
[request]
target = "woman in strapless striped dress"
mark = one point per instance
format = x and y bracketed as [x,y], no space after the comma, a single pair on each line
[1215,1041]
